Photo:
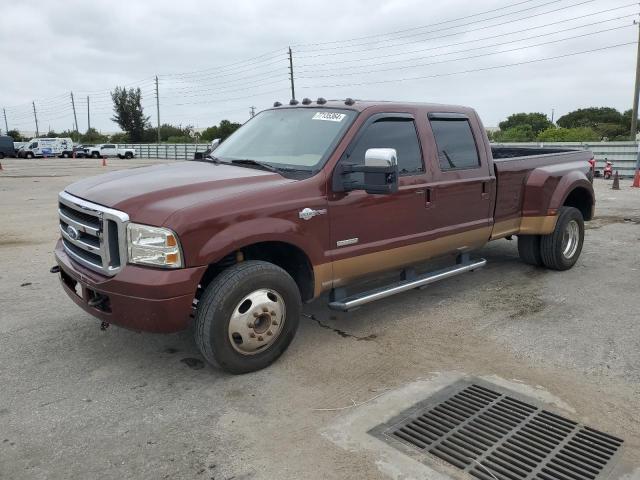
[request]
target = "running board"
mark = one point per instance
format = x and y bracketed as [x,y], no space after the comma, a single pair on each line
[355,301]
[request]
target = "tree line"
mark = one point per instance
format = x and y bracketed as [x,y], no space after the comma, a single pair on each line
[136,127]
[591,124]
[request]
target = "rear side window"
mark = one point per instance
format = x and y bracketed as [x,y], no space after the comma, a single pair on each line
[455,142]
[398,133]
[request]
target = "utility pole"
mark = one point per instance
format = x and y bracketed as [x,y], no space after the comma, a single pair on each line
[73,105]
[293,90]
[158,107]
[88,115]
[35,115]
[6,127]
[634,112]
[252,111]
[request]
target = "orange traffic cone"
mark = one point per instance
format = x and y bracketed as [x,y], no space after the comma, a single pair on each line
[104,161]
[636,179]
[616,182]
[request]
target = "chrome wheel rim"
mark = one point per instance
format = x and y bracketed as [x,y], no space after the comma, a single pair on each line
[257,321]
[570,239]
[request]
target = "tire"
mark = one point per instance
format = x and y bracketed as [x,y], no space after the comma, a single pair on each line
[561,248]
[1,155]
[94,155]
[65,155]
[128,156]
[29,155]
[272,295]
[529,249]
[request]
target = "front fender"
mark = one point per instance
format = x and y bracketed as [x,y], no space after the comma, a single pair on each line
[257,230]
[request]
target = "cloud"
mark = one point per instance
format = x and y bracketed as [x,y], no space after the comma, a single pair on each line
[52,48]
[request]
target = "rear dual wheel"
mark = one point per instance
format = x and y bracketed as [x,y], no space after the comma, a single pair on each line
[247,316]
[558,250]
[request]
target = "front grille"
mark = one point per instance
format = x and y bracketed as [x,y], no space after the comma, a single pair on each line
[92,235]
[494,436]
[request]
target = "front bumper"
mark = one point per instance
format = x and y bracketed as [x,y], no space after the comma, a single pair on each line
[137,298]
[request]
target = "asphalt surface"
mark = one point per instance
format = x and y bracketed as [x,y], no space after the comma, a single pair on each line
[80,403]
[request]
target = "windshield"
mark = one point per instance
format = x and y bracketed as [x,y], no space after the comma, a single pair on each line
[288,138]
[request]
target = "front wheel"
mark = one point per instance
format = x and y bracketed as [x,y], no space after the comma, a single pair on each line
[561,248]
[29,155]
[95,155]
[128,155]
[247,316]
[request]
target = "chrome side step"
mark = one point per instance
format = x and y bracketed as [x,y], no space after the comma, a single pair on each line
[355,301]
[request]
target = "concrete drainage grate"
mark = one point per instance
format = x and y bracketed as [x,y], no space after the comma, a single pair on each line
[484,430]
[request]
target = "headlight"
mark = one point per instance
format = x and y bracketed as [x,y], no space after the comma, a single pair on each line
[155,246]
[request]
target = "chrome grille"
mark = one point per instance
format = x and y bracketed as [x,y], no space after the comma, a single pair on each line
[92,235]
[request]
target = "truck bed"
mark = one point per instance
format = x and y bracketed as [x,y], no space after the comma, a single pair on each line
[534,170]
[502,153]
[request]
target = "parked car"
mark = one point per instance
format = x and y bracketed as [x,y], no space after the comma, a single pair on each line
[109,150]
[305,199]
[6,147]
[18,145]
[47,147]
[79,151]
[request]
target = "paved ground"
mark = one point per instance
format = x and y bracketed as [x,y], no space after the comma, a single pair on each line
[78,403]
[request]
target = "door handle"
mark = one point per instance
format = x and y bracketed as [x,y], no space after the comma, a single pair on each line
[428,198]
[485,192]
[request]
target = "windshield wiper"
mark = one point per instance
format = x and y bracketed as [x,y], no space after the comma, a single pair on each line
[255,163]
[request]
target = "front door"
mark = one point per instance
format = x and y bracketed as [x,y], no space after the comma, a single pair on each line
[369,231]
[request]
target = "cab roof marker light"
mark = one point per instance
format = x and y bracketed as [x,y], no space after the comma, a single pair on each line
[349,101]
[306,101]
[277,104]
[321,101]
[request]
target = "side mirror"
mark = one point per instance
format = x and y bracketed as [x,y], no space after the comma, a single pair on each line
[380,171]
[214,144]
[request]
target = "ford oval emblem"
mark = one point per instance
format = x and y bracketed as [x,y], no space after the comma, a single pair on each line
[72,232]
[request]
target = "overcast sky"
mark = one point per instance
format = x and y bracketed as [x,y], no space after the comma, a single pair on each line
[217,59]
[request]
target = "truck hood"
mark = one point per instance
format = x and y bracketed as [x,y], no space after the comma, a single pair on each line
[151,194]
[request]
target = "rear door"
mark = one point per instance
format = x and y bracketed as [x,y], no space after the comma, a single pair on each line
[369,232]
[460,191]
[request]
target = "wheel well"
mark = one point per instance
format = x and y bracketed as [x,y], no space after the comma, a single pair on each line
[581,199]
[288,257]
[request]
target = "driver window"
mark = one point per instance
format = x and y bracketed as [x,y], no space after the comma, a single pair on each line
[398,133]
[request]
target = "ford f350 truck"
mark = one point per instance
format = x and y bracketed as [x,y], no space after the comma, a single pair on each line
[308,198]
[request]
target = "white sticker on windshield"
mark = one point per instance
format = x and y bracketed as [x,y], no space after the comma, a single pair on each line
[330,116]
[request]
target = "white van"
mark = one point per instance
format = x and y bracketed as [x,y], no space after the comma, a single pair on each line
[48,147]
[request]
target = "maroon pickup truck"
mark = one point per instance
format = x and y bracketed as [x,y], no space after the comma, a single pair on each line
[308,198]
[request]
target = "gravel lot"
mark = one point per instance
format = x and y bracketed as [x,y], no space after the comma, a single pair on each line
[79,403]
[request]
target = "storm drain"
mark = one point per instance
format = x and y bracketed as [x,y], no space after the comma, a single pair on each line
[493,435]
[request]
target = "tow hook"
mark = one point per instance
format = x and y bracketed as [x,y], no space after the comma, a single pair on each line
[55,269]
[104,325]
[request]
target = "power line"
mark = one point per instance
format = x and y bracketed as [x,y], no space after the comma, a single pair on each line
[418,65]
[262,75]
[380,47]
[537,27]
[220,73]
[222,100]
[197,93]
[225,67]
[412,28]
[495,67]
